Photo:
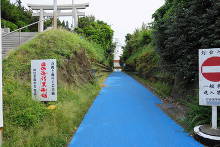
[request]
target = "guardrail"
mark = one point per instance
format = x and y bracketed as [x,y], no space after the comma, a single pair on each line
[20,29]
[15,38]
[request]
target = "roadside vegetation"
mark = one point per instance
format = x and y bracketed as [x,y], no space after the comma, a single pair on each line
[83,58]
[165,53]
[98,32]
[32,123]
[14,15]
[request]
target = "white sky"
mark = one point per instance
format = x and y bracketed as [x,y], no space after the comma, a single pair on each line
[124,16]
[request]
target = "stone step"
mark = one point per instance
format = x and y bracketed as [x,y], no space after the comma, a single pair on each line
[12,41]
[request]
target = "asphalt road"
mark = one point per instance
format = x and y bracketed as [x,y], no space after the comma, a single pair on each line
[125,115]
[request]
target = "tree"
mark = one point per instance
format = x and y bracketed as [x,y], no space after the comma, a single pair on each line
[19,4]
[136,41]
[99,32]
[181,28]
[16,16]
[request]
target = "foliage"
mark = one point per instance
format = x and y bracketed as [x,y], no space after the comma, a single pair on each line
[17,14]
[63,24]
[16,97]
[14,14]
[139,53]
[30,123]
[136,41]
[8,24]
[98,32]
[181,28]
[197,115]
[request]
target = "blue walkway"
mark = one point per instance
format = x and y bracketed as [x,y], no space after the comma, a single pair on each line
[125,115]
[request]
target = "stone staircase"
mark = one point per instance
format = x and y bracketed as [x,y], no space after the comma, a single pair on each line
[13,40]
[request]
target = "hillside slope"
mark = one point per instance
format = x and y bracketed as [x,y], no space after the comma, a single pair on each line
[31,123]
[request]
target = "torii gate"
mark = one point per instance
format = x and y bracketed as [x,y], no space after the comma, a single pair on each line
[73,7]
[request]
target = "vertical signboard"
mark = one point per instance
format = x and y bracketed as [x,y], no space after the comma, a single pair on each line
[209,77]
[44,80]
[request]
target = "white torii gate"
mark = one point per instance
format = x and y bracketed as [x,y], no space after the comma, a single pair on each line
[73,7]
[46,14]
[59,13]
[59,7]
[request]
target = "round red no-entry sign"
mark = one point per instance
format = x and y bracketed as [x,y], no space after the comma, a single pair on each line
[211,69]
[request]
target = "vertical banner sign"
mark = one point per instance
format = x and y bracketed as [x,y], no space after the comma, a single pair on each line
[209,77]
[44,80]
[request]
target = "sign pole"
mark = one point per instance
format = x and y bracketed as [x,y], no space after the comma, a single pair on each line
[214,117]
[55,14]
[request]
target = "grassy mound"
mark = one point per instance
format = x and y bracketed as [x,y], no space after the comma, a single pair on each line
[31,123]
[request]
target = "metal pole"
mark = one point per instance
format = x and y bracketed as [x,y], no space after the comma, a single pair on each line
[55,14]
[214,117]
[41,28]
[1,136]
[19,37]
[1,104]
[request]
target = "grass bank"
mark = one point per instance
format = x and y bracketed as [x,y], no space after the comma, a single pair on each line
[31,123]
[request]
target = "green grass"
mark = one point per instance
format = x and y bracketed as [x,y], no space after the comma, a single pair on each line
[58,44]
[30,123]
[196,115]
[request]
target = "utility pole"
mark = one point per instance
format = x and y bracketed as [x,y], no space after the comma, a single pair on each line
[55,14]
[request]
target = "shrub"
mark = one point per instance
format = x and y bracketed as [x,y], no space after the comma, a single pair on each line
[8,24]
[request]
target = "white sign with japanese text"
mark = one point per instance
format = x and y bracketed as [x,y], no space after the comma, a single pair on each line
[44,79]
[209,77]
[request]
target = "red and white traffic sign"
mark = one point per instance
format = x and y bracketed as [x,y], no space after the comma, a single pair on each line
[211,69]
[209,77]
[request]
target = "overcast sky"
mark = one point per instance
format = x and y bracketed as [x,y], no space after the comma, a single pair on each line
[124,16]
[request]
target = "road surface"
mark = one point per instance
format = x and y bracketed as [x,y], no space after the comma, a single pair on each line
[125,114]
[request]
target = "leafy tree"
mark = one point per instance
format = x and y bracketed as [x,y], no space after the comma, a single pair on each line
[136,41]
[19,4]
[17,14]
[184,26]
[99,32]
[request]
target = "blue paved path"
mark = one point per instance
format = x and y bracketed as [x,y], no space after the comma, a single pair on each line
[125,115]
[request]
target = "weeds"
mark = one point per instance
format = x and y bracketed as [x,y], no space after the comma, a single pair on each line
[31,123]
